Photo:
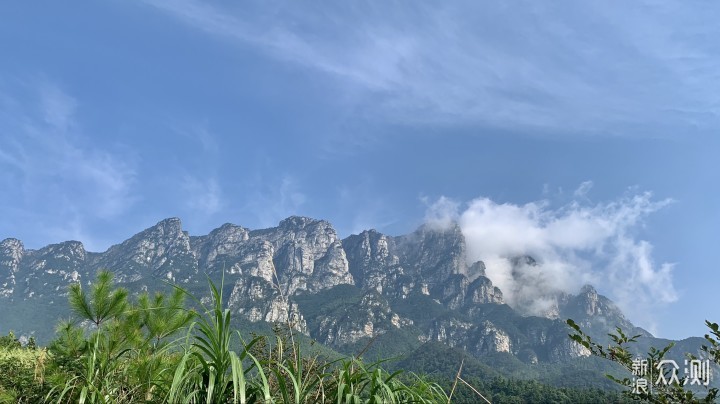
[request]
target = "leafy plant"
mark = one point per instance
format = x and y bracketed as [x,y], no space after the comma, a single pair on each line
[155,350]
[619,352]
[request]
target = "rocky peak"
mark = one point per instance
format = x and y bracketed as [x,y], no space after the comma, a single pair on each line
[48,271]
[460,293]
[308,254]
[226,240]
[590,303]
[431,254]
[11,253]
[372,244]
[298,230]
[476,269]
[423,277]
[588,289]
[588,296]
[371,259]
[481,290]
[596,312]
[165,232]
[67,251]
[299,222]
[230,233]
[163,249]
[11,250]
[450,236]
[168,228]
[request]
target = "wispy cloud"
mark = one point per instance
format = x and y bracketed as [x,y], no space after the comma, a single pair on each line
[274,199]
[361,207]
[574,244]
[583,189]
[49,165]
[202,196]
[442,212]
[200,135]
[58,108]
[642,68]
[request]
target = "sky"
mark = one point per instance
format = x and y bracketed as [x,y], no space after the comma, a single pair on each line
[581,133]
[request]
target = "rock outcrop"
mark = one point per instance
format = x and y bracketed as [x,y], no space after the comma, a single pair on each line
[340,292]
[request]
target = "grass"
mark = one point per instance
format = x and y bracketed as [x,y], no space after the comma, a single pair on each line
[156,350]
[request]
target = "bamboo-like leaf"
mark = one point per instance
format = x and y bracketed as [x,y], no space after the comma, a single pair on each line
[238,379]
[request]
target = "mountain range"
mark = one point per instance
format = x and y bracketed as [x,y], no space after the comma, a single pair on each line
[393,292]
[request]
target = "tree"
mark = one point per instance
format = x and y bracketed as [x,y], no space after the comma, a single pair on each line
[620,353]
[9,341]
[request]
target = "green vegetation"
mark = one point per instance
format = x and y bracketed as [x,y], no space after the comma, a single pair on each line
[440,363]
[21,371]
[620,351]
[155,350]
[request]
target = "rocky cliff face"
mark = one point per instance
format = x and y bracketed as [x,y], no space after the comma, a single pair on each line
[478,339]
[11,252]
[308,255]
[27,274]
[368,318]
[160,251]
[433,255]
[340,292]
[596,313]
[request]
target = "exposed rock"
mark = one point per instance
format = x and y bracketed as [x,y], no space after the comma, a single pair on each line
[476,269]
[478,339]
[266,272]
[11,253]
[374,264]
[255,299]
[493,339]
[50,269]
[461,294]
[162,250]
[430,256]
[226,241]
[596,313]
[370,317]
[567,350]
[308,255]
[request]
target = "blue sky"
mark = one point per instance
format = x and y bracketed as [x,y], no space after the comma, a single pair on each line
[586,131]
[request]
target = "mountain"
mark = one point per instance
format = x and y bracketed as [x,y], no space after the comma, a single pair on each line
[396,293]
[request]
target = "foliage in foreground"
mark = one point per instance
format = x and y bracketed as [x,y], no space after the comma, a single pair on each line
[619,352]
[155,350]
[440,363]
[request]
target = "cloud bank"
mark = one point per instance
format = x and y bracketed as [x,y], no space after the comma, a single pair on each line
[574,244]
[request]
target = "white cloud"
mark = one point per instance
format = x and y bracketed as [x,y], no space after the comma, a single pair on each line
[274,200]
[199,134]
[58,108]
[583,189]
[572,67]
[360,207]
[441,213]
[61,178]
[574,244]
[203,196]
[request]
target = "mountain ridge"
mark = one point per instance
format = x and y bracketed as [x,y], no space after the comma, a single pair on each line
[340,292]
